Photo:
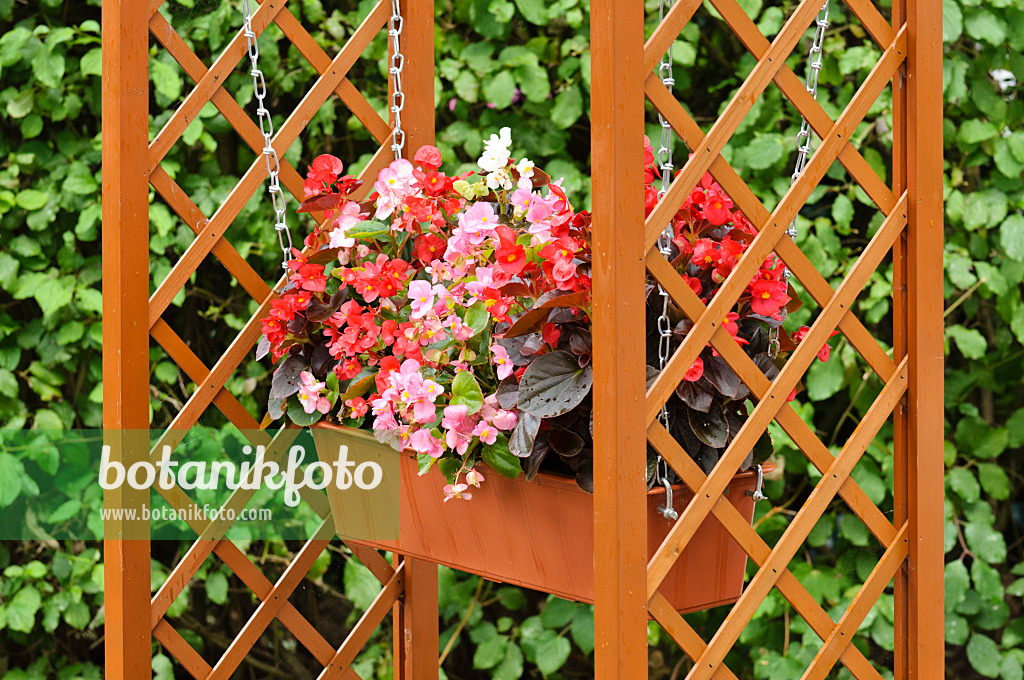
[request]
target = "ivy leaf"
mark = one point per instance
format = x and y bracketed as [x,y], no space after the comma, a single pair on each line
[568,107]
[957,582]
[985,542]
[490,653]
[217,587]
[971,342]
[975,131]
[11,473]
[500,89]
[952,21]
[552,654]
[535,11]
[984,655]
[511,667]
[582,629]
[1011,237]
[557,612]
[981,24]
[963,482]
[764,151]
[21,610]
[554,384]
[466,392]
[825,379]
[994,481]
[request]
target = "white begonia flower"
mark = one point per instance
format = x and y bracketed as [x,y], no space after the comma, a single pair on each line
[496,151]
[525,168]
[500,179]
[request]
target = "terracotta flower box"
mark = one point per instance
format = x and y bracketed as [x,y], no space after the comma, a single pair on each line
[538,535]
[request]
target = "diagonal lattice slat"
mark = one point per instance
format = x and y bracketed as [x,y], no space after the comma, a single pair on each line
[836,311]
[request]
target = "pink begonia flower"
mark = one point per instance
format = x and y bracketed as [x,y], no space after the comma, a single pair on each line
[456,491]
[522,197]
[348,217]
[394,183]
[483,281]
[459,330]
[432,331]
[309,394]
[474,478]
[499,357]
[424,442]
[421,297]
[504,420]
[478,222]
[488,433]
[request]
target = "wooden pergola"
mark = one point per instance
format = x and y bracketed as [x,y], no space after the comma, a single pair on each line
[626,577]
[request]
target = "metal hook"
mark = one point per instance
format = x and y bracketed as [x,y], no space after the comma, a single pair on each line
[757,493]
[667,511]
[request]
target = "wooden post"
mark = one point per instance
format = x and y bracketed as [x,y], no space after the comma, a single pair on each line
[416,617]
[125,324]
[925,626]
[620,543]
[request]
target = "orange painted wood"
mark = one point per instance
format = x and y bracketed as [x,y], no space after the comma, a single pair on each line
[867,596]
[181,650]
[667,32]
[788,418]
[514,531]
[795,90]
[873,21]
[764,242]
[925,340]
[756,548]
[691,643]
[125,248]
[814,283]
[368,622]
[769,405]
[346,91]
[796,533]
[619,518]
[711,146]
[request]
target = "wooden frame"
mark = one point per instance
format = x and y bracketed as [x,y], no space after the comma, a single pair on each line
[626,581]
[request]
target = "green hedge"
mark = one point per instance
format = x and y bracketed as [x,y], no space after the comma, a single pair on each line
[525,64]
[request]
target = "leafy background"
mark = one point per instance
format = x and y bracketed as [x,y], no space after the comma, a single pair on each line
[524,64]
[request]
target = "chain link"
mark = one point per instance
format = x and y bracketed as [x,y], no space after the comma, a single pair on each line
[397,66]
[666,166]
[803,138]
[270,159]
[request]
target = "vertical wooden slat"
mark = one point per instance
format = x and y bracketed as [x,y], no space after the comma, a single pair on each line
[125,128]
[415,620]
[925,346]
[620,551]
[899,315]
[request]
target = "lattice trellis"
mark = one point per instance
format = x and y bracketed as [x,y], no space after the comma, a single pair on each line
[625,592]
[836,312]
[210,381]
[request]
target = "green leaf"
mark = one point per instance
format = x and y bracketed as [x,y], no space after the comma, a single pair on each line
[65,511]
[535,11]
[983,654]
[1011,668]
[975,131]
[466,392]
[163,668]
[370,229]
[971,342]
[557,612]
[963,482]
[982,24]
[854,530]
[994,481]
[48,66]
[77,615]
[511,667]
[582,629]
[166,79]
[552,654]
[957,629]
[500,459]
[500,89]
[490,653]
[217,587]
[477,317]
[92,62]
[1011,237]
[764,151]
[11,474]
[952,21]
[568,107]
[361,586]
[992,443]
[824,379]
[54,294]
[32,199]
[986,581]
[985,542]
[533,81]
[21,610]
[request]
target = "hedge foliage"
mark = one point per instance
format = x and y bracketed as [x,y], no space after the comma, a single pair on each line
[523,63]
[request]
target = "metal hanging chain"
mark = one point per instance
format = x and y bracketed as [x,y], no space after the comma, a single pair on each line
[259,86]
[803,138]
[666,166]
[397,65]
